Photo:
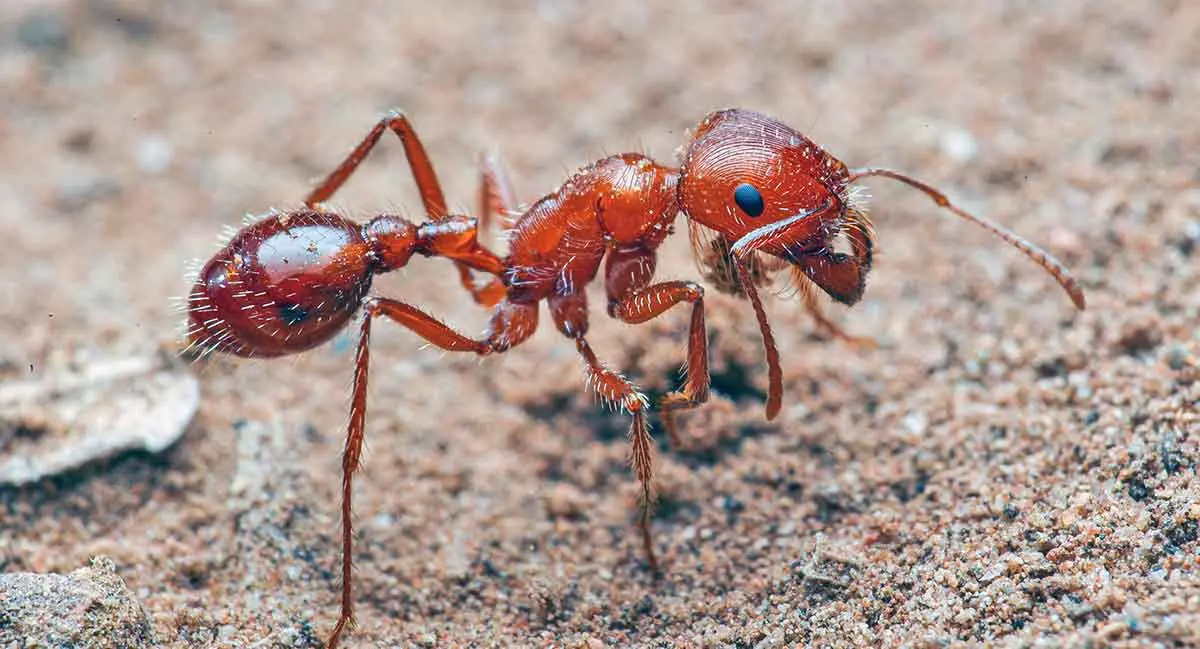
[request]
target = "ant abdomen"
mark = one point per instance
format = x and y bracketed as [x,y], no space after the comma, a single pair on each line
[282,285]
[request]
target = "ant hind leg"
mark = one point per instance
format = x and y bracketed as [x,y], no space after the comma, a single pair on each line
[428,186]
[432,330]
[496,197]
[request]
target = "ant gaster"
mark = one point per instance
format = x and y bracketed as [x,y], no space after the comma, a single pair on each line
[758,197]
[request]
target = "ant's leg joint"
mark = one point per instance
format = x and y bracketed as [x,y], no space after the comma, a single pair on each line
[651,302]
[394,114]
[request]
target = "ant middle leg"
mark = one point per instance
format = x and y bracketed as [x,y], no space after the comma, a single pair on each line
[615,389]
[570,316]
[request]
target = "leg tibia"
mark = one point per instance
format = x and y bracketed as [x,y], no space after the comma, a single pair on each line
[351,457]
[472,256]
[418,160]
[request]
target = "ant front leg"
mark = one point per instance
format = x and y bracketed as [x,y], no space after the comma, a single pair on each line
[432,330]
[740,254]
[774,370]
[813,305]
[630,300]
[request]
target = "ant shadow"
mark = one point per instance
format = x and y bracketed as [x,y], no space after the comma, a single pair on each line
[732,382]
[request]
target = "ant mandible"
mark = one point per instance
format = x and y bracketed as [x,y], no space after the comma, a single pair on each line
[758,196]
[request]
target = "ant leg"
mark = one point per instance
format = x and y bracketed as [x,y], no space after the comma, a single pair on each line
[486,295]
[350,463]
[431,330]
[512,323]
[418,160]
[424,325]
[813,305]
[650,302]
[426,178]
[740,253]
[496,195]
[616,389]
[632,299]
[457,238]
[571,317]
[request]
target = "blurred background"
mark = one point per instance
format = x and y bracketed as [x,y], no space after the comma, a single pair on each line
[495,508]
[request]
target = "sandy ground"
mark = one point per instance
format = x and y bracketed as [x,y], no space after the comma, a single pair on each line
[1000,471]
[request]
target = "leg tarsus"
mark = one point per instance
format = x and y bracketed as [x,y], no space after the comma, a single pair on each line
[645,517]
[351,459]
[616,389]
[432,330]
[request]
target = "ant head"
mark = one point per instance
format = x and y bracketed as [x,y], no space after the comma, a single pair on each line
[745,173]
[282,285]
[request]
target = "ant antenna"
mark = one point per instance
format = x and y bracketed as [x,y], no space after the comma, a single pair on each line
[1039,256]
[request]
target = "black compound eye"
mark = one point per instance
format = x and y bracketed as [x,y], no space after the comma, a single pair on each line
[749,199]
[292,314]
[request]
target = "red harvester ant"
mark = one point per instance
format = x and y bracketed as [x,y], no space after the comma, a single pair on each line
[758,196]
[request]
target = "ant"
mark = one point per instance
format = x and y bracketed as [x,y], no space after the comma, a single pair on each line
[758,196]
